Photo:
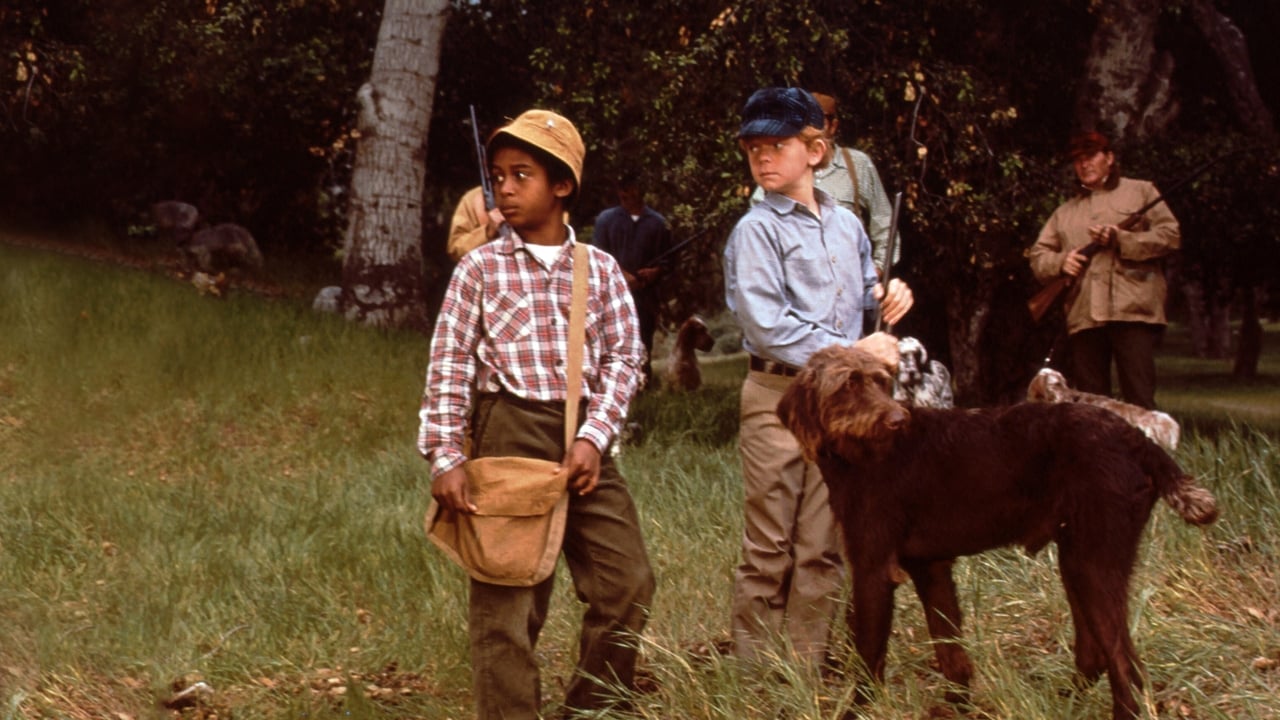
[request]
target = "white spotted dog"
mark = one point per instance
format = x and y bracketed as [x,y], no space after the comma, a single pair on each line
[921,382]
[1050,386]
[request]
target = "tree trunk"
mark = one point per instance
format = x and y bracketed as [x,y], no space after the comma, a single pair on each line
[967,314]
[1249,350]
[382,263]
[1208,296]
[1229,46]
[1127,93]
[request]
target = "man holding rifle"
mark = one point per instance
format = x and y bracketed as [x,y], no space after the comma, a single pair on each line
[1113,258]
[637,236]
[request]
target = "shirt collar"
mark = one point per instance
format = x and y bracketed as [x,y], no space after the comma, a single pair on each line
[511,240]
[783,205]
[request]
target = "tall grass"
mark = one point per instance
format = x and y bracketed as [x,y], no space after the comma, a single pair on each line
[226,491]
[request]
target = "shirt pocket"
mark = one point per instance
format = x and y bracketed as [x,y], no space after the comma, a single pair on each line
[1136,288]
[508,316]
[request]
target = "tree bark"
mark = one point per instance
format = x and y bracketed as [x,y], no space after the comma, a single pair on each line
[1229,46]
[1249,351]
[382,262]
[968,311]
[1127,92]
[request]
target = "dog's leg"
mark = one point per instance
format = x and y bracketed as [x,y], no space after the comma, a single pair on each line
[871,617]
[937,591]
[1097,587]
[1091,662]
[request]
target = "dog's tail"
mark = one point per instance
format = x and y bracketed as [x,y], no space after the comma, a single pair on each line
[1195,504]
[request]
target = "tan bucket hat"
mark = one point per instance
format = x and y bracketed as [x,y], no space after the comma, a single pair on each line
[552,133]
[514,536]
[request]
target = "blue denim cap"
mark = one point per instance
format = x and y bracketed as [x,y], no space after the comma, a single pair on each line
[779,112]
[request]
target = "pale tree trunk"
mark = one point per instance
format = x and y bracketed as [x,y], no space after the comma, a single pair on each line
[1229,46]
[382,263]
[1127,93]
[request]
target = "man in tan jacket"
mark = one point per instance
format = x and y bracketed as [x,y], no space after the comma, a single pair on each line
[1116,305]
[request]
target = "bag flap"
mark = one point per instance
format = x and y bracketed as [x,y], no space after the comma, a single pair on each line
[514,486]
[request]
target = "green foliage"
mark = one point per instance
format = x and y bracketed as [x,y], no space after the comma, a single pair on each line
[246,109]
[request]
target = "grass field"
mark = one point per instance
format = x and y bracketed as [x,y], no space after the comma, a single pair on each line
[225,492]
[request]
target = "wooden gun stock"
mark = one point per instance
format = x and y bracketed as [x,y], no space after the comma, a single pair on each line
[1040,303]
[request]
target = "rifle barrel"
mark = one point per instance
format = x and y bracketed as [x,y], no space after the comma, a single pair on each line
[485,186]
[888,259]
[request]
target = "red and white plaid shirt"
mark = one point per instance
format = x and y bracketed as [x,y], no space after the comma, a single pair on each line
[504,325]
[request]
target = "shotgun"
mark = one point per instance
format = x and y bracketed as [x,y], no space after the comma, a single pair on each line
[485,186]
[888,258]
[671,251]
[1040,303]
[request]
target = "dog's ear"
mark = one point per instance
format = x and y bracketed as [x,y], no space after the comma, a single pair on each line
[1036,391]
[798,411]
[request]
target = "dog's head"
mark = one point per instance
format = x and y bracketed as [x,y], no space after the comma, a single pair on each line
[1048,386]
[841,404]
[694,333]
[912,361]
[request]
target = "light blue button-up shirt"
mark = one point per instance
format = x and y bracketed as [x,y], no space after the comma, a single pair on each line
[798,283]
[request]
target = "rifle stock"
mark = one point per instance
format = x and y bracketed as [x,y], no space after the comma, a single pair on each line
[1040,303]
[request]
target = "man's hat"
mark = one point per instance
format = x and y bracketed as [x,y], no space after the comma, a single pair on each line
[779,112]
[552,133]
[1086,144]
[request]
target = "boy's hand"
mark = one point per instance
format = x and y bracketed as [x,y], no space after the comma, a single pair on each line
[895,303]
[583,464]
[493,217]
[883,346]
[450,490]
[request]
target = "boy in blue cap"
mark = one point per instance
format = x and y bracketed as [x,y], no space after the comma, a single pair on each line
[798,276]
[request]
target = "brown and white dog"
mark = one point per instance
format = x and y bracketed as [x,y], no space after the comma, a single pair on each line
[682,373]
[1050,386]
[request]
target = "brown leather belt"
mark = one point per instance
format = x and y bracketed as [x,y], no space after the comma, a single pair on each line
[772,367]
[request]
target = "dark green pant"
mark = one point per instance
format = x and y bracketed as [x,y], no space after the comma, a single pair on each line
[1133,345]
[606,557]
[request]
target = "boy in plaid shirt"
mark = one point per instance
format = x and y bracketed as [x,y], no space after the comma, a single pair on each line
[497,377]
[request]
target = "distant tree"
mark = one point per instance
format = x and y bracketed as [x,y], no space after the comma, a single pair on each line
[382,253]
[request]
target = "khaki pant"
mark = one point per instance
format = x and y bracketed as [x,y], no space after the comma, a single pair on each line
[606,557]
[788,584]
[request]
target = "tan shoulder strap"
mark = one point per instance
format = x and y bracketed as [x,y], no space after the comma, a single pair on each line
[577,342]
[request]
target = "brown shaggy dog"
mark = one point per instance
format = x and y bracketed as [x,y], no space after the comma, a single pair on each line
[682,372]
[915,488]
[1050,386]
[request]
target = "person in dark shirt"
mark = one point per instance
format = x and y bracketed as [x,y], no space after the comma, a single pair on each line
[635,235]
